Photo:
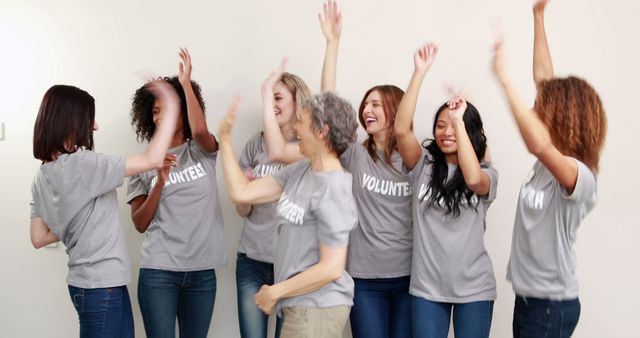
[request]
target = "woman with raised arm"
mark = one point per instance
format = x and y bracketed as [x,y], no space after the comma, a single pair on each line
[283,96]
[379,256]
[75,201]
[315,214]
[565,130]
[453,188]
[178,208]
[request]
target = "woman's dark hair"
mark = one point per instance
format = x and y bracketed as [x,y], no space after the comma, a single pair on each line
[390,97]
[64,123]
[450,193]
[142,109]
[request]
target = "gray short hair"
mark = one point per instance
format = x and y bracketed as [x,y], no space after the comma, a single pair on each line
[338,115]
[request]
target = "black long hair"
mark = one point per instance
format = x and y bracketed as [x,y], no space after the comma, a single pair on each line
[450,193]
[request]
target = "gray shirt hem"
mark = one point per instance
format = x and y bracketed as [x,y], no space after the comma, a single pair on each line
[485,296]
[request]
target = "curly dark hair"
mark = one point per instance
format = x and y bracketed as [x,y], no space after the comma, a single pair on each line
[452,191]
[572,111]
[142,109]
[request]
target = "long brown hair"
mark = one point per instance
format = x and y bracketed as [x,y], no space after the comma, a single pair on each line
[390,96]
[572,111]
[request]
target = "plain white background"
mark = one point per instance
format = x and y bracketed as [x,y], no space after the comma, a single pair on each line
[107,48]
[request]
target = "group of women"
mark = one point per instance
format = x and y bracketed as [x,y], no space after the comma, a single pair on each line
[387,232]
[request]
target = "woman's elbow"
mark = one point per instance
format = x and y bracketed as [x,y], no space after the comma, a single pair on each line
[37,243]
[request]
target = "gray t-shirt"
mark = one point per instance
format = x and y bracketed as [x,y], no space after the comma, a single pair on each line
[450,262]
[314,208]
[542,262]
[380,245]
[187,231]
[75,196]
[259,226]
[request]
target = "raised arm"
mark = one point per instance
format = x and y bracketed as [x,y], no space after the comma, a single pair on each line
[331,24]
[408,145]
[197,120]
[542,66]
[40,233]
[476,179]
[277,148]
[153,156]
[329,268]
[143,207]
[534,133]
[241,190]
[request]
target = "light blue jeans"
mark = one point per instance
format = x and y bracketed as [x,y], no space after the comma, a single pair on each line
[103,312]
[251,275]
[165,295]
[431,319]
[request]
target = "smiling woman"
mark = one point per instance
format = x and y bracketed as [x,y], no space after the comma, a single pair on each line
[315,214]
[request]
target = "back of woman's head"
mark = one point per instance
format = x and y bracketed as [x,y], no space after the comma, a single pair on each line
[572,111]
[450,192]
[142,109]
[298,88]
[64,123]
[390,97]
[328,109]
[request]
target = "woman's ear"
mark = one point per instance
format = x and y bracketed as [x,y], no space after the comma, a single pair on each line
[323,132]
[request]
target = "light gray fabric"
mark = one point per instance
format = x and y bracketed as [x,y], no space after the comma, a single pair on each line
[450,262]
[76,197]
[315,207]
[542,262]
[187,231]
[380,245]
[256,240]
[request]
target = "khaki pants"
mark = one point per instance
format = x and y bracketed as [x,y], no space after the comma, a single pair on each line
[314,322]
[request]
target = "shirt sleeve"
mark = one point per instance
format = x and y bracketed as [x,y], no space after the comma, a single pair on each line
[282,176]
[336,212]
[136,187]
[414,174]
[586,187]
[492,173]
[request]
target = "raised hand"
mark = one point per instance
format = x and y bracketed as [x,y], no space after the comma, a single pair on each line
[539,6]
[169,162]
[424,57]
[162,90]
[274,77]
[184,68]
[499,68]
[229,119]
[331,21]
[457,107]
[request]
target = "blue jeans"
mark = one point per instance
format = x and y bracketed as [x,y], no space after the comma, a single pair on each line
[381,308]
[250,276]
[431,319]
[165,295]
[535,317]
[104,312]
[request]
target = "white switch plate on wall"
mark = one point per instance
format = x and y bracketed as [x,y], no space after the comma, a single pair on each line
[1,131]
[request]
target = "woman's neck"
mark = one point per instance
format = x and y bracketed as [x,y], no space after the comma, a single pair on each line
[178,139]
[380,139]
[325,160]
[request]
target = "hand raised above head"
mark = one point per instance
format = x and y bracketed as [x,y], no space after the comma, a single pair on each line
[331,21]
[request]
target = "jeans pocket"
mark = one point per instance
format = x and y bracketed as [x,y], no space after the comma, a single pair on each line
[77,298]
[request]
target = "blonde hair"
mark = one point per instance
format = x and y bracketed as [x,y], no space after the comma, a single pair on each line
[299,90]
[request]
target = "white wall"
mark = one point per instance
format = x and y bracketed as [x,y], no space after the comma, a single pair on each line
[103,46]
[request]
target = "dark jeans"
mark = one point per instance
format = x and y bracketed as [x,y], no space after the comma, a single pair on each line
[165,295]
[535,317]
[431,319]
[103,312]
[250,276]
[381,308]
